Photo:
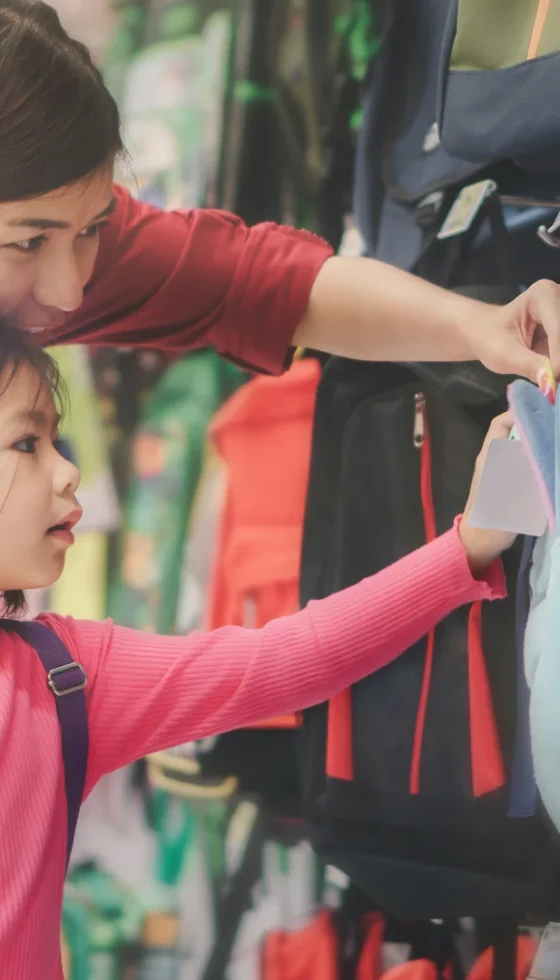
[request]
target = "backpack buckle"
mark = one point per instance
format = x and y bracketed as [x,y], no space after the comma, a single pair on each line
[59,691]
[550,235]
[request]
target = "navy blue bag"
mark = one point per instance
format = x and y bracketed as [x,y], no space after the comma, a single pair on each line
[498,85]
[406,179]
[67,680]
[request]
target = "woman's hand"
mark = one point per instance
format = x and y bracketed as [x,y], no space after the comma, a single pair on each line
[512,339]
[481,545]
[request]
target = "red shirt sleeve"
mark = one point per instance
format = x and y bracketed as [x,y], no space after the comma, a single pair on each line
[177,280]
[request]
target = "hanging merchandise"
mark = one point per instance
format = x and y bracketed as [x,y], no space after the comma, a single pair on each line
[537,425]
[317,93]
[262,435]
[123,382]
[407,181]
[102,923]
[160,957]
[497,86]
[173,102]
[201,543]
[168,452]
[311,953]
[75,943]
[408,775]
[251,184]
[331,946]
[128,38]
[524,954]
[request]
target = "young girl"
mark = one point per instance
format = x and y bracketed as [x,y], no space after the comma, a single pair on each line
[146,693]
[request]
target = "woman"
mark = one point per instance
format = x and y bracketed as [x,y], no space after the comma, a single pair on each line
[83,261]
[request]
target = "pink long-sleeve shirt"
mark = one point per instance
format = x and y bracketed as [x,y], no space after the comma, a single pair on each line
[147,693]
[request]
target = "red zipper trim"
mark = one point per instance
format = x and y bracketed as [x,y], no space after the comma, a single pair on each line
[430,531]
[339,763]
[487,765]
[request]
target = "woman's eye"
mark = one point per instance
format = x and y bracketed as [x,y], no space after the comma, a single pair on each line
[29,244]
[93,231]
[26,445]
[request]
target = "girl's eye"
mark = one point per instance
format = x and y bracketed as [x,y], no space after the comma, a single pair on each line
[26,445]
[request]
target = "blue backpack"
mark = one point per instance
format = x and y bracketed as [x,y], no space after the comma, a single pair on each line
[538,736]
[407,179]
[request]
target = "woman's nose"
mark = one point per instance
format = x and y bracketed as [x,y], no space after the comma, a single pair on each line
[59,282]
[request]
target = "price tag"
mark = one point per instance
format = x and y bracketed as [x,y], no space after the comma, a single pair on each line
[465,208]
[546,965]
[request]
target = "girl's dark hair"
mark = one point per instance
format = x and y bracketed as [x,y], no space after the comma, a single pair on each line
[17,349]
[58,121]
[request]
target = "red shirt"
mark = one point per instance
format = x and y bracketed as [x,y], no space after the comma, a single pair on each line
[176,280]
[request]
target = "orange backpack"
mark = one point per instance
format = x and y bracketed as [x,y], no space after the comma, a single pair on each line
[310,953]
[263,436]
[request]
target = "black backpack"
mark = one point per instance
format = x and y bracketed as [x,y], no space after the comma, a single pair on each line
[415,806]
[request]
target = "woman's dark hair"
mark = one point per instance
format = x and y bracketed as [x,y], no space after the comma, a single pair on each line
[16,350]
[58,121]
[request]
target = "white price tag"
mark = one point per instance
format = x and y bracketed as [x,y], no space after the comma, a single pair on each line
[546,965]
[508,496]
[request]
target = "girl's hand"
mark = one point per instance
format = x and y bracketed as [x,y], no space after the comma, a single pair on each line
[483,546]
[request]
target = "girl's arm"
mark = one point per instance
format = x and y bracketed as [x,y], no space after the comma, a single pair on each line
[147,692]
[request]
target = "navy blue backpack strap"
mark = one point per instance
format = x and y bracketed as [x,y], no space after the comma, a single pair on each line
[523,787]
[67,680]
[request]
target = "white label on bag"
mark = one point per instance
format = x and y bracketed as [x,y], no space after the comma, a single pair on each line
[465,208]
[508,496]
[546,965]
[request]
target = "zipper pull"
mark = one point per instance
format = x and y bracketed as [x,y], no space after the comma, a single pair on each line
[419,424]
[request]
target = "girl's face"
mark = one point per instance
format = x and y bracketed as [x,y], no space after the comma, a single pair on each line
[38,507]
[48,247]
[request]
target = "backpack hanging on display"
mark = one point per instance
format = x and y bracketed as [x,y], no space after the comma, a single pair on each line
[323,47]
[538,426]
[262,435]
[407,180]
[498,87]
[407,777]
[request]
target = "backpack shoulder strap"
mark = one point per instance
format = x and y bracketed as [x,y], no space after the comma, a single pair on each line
[67,680]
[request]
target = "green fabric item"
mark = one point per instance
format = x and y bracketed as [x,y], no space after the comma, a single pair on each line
[168,457]
[496,34]
[247,91]
[101,921]
[75,932]
[175,825]
[363,45]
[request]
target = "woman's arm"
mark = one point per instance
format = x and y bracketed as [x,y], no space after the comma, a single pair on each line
[371,311]
[185,279]
[147,693]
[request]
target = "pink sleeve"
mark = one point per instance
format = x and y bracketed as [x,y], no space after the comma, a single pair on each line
[147,692]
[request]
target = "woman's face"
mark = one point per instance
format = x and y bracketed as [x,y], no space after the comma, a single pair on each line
[48,247]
